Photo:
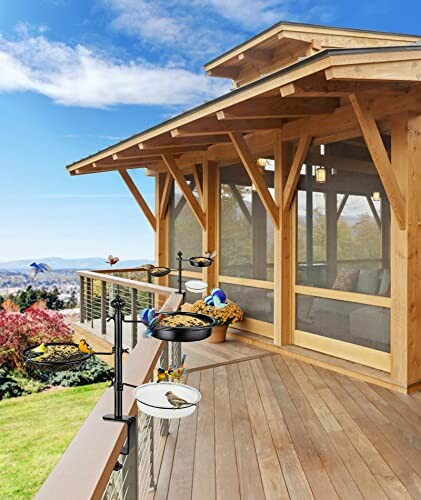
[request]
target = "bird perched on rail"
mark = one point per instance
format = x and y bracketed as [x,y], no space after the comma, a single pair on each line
[176,373]
[162,375]
[85,347]
[112,260]
[176,401]
[38,268]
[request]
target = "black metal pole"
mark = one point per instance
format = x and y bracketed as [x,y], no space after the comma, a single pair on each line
[118,304]
[180,272]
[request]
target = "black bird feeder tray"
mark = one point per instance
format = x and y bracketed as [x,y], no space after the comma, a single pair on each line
[200,261]
[159,272]
[61,356]
[185,333]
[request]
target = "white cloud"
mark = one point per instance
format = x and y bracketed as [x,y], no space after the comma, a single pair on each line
[80,76]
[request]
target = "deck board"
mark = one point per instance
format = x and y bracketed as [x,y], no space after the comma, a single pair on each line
[273,427]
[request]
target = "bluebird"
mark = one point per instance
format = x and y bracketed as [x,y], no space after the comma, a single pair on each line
[37,269]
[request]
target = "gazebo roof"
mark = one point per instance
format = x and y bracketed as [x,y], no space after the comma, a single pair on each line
[280,101]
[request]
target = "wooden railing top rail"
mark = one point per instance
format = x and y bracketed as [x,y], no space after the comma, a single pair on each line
[138,285]
[85,467]
[122,270]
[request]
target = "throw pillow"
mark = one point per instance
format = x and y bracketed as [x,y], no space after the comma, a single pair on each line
[345,280]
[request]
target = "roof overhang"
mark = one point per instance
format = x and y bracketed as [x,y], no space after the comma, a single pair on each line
[281,102]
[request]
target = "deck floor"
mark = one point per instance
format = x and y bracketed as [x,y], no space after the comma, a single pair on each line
[273,427]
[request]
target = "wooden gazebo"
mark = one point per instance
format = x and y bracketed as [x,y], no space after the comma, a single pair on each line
[313,162]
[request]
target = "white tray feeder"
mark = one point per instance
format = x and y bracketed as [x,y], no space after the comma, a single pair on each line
[151,399]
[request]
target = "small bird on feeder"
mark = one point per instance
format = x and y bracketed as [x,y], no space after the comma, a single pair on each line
[162,375]
[85,347]
[210,255]
[217,299]
[37,269]
[176,401]
[40,350]
[112,260]
[176,373]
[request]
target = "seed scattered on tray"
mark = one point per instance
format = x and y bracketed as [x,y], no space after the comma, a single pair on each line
[59,354]
[182,320]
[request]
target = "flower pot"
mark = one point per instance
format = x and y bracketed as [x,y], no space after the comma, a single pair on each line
[218,334]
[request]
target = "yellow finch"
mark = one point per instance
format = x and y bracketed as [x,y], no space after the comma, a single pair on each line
[85,347]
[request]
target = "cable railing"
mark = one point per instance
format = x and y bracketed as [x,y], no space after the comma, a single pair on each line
[93,466]
[99,288]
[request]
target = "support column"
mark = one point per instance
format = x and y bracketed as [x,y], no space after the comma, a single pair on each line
[162,232]
[283,264]
[211,206]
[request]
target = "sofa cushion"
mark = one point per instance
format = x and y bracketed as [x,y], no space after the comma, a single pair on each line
[345,280]
[384,288]
[368,281]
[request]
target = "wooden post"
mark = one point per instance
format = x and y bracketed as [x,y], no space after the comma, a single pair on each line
[210,183]
[331,236]
[283,270]
[162,230]
[259,237]
[309,224]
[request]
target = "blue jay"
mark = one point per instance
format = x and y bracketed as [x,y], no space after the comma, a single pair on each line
[37,269]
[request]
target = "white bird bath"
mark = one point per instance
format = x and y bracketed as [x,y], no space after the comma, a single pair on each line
[151,399]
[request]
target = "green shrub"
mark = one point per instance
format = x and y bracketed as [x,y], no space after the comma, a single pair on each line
[9,388]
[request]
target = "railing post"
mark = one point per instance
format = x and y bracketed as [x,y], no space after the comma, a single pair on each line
[164,362]
[134,316]
[82,300]
[104,307]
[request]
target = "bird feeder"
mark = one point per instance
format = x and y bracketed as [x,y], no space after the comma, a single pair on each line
[61,356]
[151,399]
[184,332]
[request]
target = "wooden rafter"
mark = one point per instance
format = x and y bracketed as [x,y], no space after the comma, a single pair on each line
[178,176]
[294,173]
[166,195]
[139,153]
[276,107]
[381,160]
[162,142]
[196,177]
[139,198]
[257,57]
[256,177]
[212,125]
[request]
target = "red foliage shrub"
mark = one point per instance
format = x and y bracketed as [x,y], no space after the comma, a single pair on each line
[19,330]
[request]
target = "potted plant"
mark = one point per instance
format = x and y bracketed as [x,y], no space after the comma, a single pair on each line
[225,311]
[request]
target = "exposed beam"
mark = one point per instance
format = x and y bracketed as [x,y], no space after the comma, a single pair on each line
[198,183]
[100,169]
[342,205]
[212,125]
[184,188]
[256,177]
[139,198]
[138,153]
[257,57]
[380,158]
[107,162]
[166,195]
[403,70]
[225,72]
[276,107]
[374,212]
[294,173]
[167,141]
[318,86]
[240,201]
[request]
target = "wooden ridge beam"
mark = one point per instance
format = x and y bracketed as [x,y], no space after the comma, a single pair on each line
[178,176]
[139,198]
[212,125]
[294,173]
[166,195]
[256,177]
[276,107]
[380,158]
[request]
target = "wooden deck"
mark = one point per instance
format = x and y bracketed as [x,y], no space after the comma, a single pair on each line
[274,427]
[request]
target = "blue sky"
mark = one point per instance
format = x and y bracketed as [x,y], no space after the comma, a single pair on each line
[77,76]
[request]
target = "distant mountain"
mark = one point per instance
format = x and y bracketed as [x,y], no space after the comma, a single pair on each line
[78,263]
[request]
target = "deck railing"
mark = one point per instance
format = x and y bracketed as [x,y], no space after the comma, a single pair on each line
[99,288]
[92,466]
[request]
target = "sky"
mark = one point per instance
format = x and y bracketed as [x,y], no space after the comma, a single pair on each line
[79,75]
